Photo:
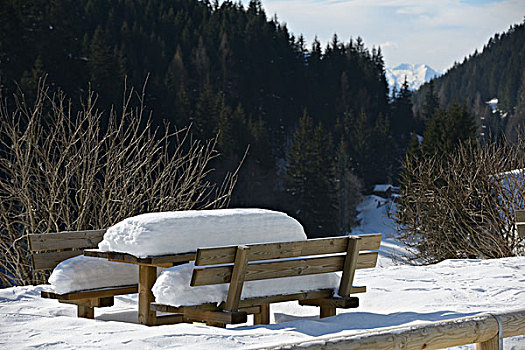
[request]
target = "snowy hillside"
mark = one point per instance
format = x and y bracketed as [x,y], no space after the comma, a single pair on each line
[416,75]
[398,294]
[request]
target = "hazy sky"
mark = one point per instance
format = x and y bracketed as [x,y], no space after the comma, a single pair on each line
[436,32]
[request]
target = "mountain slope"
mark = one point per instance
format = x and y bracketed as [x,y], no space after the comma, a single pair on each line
[416,75]
[498,72]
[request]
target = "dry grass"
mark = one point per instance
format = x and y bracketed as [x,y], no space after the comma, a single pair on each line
[62,169]
[461,205]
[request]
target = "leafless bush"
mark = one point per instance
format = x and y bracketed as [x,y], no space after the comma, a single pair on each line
[62,169]
[462,205]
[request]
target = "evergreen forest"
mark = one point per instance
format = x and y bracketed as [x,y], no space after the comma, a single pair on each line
[314,124]
[497,72]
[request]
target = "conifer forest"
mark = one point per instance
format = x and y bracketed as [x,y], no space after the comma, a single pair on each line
[314,124]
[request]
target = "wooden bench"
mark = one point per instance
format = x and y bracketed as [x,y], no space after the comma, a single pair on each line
[49,249]
[238,264]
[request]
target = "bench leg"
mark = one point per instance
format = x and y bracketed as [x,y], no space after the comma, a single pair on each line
[85,311]
[327,311]
[262,317]
[147,278]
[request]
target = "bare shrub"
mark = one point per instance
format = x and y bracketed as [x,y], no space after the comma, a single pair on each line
[62,169]
[461,205]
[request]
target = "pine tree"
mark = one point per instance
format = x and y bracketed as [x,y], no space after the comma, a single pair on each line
[447,128]
[431,103]
[348,190]
[414,147]
[105,67]
[402,118]
[205,120]
[175,76]
[310,180]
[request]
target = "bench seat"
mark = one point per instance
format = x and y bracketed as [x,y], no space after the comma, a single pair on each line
[222,273]
[51,249]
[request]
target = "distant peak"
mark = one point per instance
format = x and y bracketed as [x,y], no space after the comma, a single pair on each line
[416,75]
[404,66]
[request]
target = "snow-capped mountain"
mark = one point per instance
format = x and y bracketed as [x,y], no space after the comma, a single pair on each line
[416,75]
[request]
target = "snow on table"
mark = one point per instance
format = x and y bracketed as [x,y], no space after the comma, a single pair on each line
[184,231]
[173,287]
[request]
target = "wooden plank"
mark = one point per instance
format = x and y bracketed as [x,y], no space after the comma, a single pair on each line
[147,278]
[92,302]
[352,253]
[184,309]
[268,251]
[170,319]
[520,215]
[160,261]
[288,268]
[91,293]
[65,240]
[251,305]
[96,253]
[244,304]
[218,317]
[237,279]
[521,229]
[343,303]
[49,260]
[323,293]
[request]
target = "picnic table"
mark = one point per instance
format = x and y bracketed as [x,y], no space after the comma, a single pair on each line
[147,277]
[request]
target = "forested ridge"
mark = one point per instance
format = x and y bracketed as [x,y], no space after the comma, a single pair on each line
[497,72]
[318,119]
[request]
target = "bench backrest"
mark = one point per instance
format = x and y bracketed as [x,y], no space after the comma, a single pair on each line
[520,222]
[49,249]
[237,264]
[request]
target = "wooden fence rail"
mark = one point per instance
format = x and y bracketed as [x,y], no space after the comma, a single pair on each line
[482,330]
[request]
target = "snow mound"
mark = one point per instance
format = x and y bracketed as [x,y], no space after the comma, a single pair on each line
[173,287]
[82,272]
[184,231]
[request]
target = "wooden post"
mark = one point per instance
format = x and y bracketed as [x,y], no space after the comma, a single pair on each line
[237,279]
[263,317]
[352,253]
[147,278]
[85,311]
[491,344]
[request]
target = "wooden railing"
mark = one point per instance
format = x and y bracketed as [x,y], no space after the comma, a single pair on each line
[485,330]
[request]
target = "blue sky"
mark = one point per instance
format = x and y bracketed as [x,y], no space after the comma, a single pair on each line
[436,32]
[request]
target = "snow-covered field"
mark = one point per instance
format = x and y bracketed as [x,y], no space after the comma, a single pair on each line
[398,294]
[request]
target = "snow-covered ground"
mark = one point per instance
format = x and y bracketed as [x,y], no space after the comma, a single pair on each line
[398,294]
[374,216]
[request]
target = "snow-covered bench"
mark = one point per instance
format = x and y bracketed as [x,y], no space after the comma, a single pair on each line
[270,273]
[50,249]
